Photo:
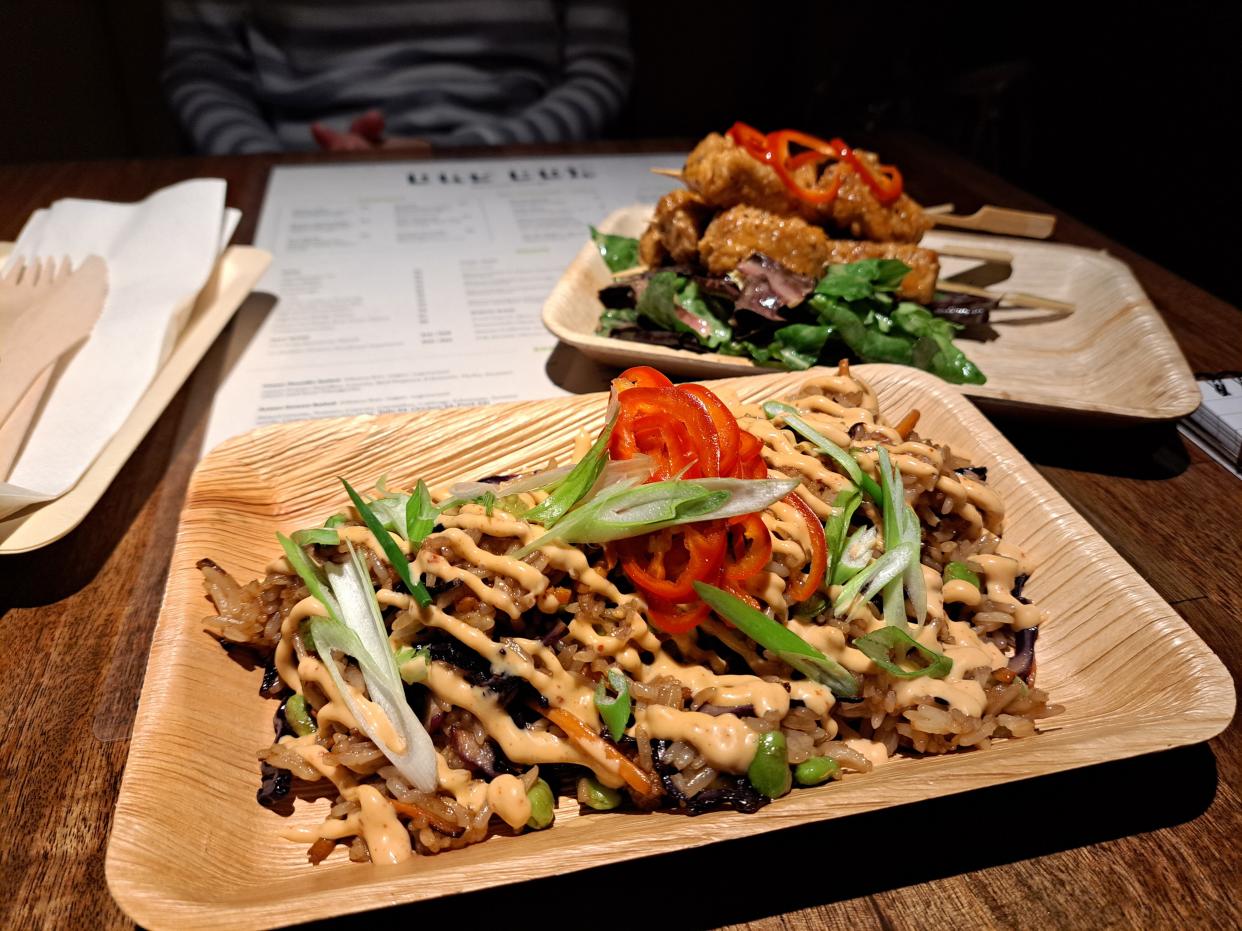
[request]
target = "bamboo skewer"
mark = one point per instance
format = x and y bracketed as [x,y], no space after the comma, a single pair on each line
[1013,298]
[987,219]
[970,252]
[1000,220]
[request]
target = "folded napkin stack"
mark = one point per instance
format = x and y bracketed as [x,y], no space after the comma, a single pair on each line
[159,253]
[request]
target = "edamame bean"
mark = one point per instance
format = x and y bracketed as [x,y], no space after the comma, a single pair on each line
[769,770]
[542,805]
[816,770]
[297,713]
[594,795]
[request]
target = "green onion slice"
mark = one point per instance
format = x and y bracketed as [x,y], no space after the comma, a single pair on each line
[854,555]
[776,409]
[310,575]
[782,641]
[959,570]
[615,710]
[420,514]
[391,550]
[893,509]
[576,485]
[888,646]
[879,573]
[623,510]
[843,508]
[324,536]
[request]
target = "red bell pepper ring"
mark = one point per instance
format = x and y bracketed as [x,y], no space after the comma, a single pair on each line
[800,589]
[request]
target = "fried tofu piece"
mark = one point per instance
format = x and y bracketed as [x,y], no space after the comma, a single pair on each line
[739,232]
[724,175]
[679,220]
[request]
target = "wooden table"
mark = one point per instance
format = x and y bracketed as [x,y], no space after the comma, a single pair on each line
[1145,842]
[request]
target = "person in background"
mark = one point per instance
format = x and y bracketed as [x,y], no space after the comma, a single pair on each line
[272,75]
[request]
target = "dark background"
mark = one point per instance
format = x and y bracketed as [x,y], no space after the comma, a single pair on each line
[1121,114]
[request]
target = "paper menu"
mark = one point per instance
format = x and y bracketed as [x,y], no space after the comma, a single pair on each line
[1217,424]
[411,285]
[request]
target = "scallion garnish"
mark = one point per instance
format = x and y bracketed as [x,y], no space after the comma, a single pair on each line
[956,571]
[782,641]
[577,483]
[854,555]
[310,575]
[893,505]
[397,558]
[323,536]
[888,646]
[879,573]
[625,511]
[789,414]
[615,710]
[843,508]
[420,514]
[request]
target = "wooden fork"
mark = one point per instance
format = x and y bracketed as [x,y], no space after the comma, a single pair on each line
[26,282]
[44,311]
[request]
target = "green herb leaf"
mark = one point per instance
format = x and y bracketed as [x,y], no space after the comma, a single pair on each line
[616,318]
[335,520]
[857,280]
[618,252]
[868,344]
[774,410]
[889,646]
[577,483]
[398,560]
[933,349]
[420,514]
[615,711]
[673,303]
[782,641]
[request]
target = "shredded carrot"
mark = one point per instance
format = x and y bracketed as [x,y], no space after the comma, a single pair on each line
[843,368]
[444,826]
[906,427]
[584,737]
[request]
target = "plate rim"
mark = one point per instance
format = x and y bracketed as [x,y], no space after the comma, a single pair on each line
[143,898]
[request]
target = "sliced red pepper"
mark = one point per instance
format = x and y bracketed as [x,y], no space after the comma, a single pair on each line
[750,456]
[773,149]
[735,589]
[666,564]
[887,187]
[671,426]
[803,588]
[750,546]
[676,618]
[641,376]
[725,424]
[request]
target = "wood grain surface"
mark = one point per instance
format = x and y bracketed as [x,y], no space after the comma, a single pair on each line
[1150,841]
[1113,355]
[1132,675]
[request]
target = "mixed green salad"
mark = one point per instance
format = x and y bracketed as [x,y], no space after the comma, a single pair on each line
[853,311]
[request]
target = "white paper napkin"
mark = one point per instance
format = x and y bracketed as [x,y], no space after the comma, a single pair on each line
[160,253]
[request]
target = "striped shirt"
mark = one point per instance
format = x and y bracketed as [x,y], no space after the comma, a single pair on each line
[252,75]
